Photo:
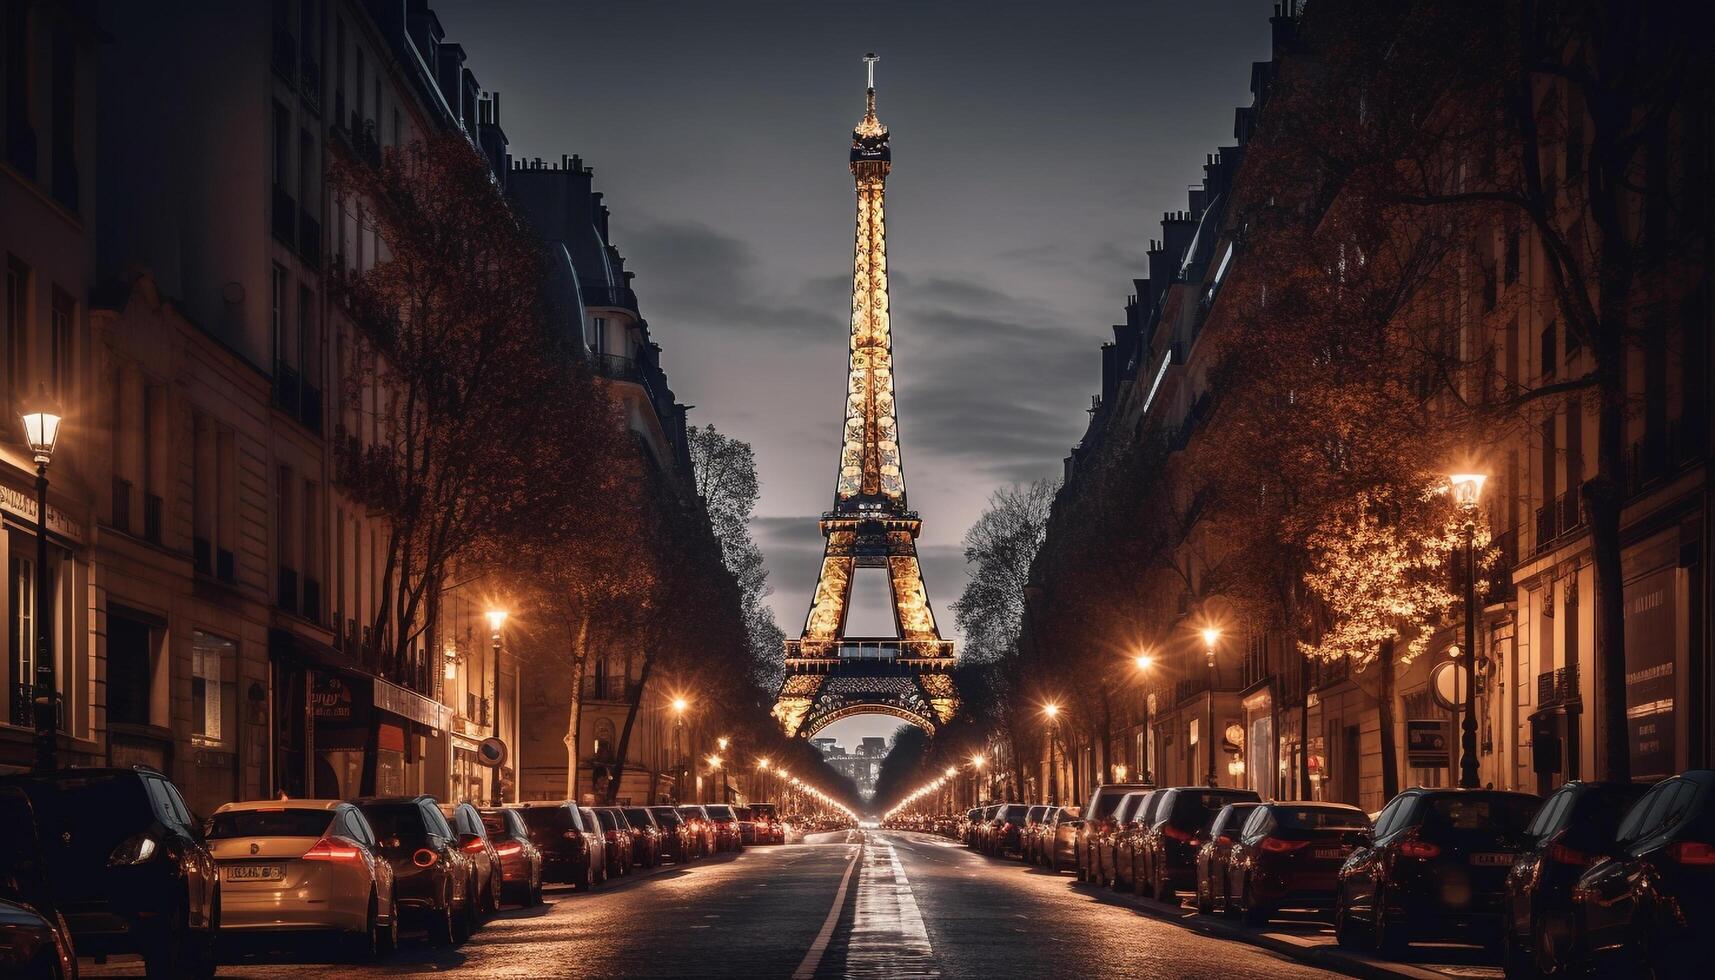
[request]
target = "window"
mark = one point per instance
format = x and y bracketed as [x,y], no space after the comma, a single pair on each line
[304,356]
[17,323]
[209,657]
[1511,263]
[130,670]
[277,313]
[22,599]
[1548,350]
[60,323]
[282,170]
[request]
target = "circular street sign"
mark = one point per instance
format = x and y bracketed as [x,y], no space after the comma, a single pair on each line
[1447,684]
[491,752]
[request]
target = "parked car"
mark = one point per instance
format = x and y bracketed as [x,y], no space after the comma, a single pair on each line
[1099,819]
[1212,856]
[726,826]
[968,832]
[980,833]
[1128,843]
[1575,825]
[1647,906]
[1434,868]
[1165,858]
[1289,855]
[1061,840]
[520,858]
[295,865]
[769,827]
[647,837]
[702,827]
[432,878]
[572,852]
[472,835]
[1004,828]
[35,942]
[1032,817]
[127,866]
[605,867]
[1105,871]
[616,836]
[746,826]
[679,842]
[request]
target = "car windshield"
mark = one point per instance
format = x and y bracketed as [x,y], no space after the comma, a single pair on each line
[548,819]
[401,820]
[100,810]
[607,819]
[666,816]
[762,811]
[692,812]
[638,818]
[1197,808]
[1321,818]
[743,812]
[283,822]
[1107,801]
[1013,813]
[719,811]
[1499,812]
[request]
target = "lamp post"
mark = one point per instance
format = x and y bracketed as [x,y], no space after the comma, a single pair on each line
[1052,712]
[679,706]
[977,763]
[761,774]
[496,620]
[726,790]
[1210,635]
[1144,662]
[41,431]
[714,764]
[1467,491]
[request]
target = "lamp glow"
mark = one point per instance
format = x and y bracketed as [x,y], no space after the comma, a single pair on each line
[1467,489]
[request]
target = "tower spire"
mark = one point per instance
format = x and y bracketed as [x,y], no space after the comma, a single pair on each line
[870,128]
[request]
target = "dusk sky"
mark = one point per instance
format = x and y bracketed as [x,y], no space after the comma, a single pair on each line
[1034,148]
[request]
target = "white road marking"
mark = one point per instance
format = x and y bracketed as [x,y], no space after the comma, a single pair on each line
[813,958]
[888,937]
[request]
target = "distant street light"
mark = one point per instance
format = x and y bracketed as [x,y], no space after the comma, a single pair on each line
[1052,711]
[496,620]
[41,432]
[1144,661]
[1210,635]
[1467,491]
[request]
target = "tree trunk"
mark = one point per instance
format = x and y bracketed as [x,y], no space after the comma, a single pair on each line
[625,733]
[580,641]
[1390,753]
[1304,730]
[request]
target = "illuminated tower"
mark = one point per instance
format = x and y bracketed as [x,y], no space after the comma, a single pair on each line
[830,672]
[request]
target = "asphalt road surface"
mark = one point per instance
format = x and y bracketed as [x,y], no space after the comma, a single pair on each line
[908,905]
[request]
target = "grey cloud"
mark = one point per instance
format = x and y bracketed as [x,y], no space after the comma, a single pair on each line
[706,279]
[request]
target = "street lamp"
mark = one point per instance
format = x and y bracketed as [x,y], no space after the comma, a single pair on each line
[679,706]
[1467,491]
[977,763]
[41,431]
[496,620]
[1144,662]
[1052,712]
[1210,635]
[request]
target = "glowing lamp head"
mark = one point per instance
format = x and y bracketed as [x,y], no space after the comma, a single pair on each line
[1467,489]
[978,761]
[1052,710]
[723,742]
[714,762]
[679,705]
[1144,661]
[41,419]
[1210,635]
[762,763]
[496,619]
[952,771]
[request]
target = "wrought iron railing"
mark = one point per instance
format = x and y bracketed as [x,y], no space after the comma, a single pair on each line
[878,650]
[1558,686]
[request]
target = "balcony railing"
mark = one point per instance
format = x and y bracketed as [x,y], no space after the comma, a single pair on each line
[608,688]
[152,506]
[1557,687]
[1558,517]
[310,81]
[872,650]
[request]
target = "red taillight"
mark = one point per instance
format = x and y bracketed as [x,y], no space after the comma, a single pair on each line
[333,849]
[1561,854]
[1277,846]
[474,845]
[1422,850]
[1185,836]
[508,848]
[1692,852]
[1223,840]
[425,858]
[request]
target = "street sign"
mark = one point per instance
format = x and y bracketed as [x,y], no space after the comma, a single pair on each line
[491,752]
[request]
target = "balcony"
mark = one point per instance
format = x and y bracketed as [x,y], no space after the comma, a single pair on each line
[310,81]
[312,607]
[287,593]
[1561,516]
[285,216]
[619,689]
[614,297]
[1557,687]
[872,651]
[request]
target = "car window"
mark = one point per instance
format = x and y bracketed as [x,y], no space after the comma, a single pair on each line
[1388,817]
[515,824]
[272,822]
[436,823]
[160,802]
[180,810]
[360,829]
[1547,819]
[1253,827]
[1501,813]
[1320,818]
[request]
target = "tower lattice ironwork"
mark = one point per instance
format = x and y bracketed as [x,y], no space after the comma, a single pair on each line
[830,673]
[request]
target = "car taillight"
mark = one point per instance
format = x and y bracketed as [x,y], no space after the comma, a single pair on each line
[1223,840]
[1692,852]
[424,858]
[1278,846]
[1561,854]
[474,845]
[132,850]
[508,848]
[333,849]
[1420,849]
[1177,834]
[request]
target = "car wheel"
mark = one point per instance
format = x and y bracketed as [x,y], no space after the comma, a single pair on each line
[389,940]
[181,952]
[365,944]
[1255,915]
[445,931]
[1158,886]
[1347,932]
[1205,896]
[496,885]
[1389,939]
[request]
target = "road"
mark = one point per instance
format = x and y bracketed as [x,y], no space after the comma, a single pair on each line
[911,906]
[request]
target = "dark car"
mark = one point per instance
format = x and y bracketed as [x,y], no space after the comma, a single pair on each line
[1212,856]
[472,833]
[727,834]
[746,825]
[1290,855]
[520,858]
[604,868]
[980,832]
[572,851]
[1026,836]
[1099,819]
[1128,843]
[1004,829]
[1109,842]
[433,880]
[769,827]
[1166,854]
[973,816]
[616,836]
[1575,826]
[127,866]
[648,840]
[1647,906]
[679,841]
[702,827]
[1060,844]
[1435,867]
[34,939]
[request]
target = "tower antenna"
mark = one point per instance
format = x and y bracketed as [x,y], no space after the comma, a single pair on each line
[869,61]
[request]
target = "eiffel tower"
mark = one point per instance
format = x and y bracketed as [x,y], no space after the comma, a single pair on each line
[830,673]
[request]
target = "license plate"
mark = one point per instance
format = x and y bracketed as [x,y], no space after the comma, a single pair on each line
[1492,860]
[254,872]
[1331,853]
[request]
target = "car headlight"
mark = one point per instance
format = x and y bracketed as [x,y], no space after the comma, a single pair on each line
[132,850]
